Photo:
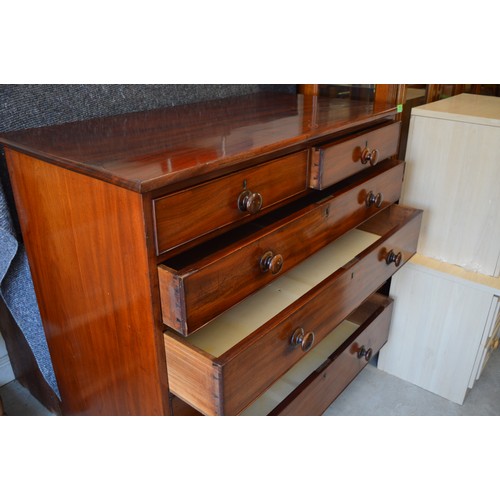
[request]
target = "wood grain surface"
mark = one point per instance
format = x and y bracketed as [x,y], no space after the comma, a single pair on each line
[151,149]
[90,270]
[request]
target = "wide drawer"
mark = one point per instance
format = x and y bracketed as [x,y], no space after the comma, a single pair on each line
[232,360]
[338,160]
[201,283]
[189,214]
[311,385]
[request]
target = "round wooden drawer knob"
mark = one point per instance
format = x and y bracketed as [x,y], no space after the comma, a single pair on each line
[393,257]
[374,199]
[249,202]
[301,338]
[369,156]
[363,352]
[271,262]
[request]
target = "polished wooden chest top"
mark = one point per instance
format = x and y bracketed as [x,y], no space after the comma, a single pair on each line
[145,231]
[152,149]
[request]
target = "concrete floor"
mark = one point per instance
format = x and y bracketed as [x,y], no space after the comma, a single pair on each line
[373,392]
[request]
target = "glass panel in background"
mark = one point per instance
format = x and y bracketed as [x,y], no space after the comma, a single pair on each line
[355,92]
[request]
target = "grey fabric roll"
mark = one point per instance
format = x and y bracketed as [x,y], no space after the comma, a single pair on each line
[16,289]
[27,106]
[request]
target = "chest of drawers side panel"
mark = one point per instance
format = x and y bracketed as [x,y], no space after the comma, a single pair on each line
[86,243]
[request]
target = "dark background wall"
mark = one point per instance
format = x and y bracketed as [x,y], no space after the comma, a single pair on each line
[26,106]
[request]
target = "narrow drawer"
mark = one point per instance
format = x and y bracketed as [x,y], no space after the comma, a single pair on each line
[189,214]
[311,385]
[228,363]
[201,283]
[336,161]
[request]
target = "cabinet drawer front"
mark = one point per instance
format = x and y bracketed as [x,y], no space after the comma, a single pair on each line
[324,385]
[228,382]
[349,347]
[333,162]
[195,290]
[187,215]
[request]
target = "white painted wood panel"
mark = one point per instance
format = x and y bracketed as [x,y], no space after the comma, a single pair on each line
[437,329]
[453,174]
[469,108]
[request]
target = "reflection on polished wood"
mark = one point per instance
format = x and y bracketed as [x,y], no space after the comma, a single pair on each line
[150,149]
[88,266]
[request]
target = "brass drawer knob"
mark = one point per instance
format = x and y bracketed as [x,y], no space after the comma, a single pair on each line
[374,199]
[363,352]
[393,257]
[249,202]
[300,337]
[271,262]
[369,156]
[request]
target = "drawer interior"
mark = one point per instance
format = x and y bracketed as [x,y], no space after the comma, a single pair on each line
[230,361]
[241,320]
[343,334]
[238,322]
[203,282]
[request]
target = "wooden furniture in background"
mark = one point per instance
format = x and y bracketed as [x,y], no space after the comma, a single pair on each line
[381,94]
[131,222]
[452,173]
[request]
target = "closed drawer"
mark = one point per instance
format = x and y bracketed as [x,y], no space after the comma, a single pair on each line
[189,214]
[201,283]
[311,385]
[336,161]
[236,357]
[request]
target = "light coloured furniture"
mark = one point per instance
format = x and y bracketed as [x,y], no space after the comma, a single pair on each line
[453,173]
[444,324]
[446,317]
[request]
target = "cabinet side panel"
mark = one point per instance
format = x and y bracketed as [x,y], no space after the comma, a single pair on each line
[85,241]
[435,332]
[452,174]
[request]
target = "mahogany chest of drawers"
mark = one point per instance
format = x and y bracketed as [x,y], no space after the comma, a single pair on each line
[220,257]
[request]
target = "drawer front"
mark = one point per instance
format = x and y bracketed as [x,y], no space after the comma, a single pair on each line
[192,213]
[201,290]
[333,162]
[325,384]
[227,384]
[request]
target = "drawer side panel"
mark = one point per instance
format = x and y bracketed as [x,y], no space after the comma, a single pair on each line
[193,376]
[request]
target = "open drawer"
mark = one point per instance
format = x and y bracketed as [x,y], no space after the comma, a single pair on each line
[340,159]
[311,385]
[200,284]
[232,360]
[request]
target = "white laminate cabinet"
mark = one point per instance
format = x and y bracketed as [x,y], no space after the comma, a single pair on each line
[453,173]
[446,309]
[442,326]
